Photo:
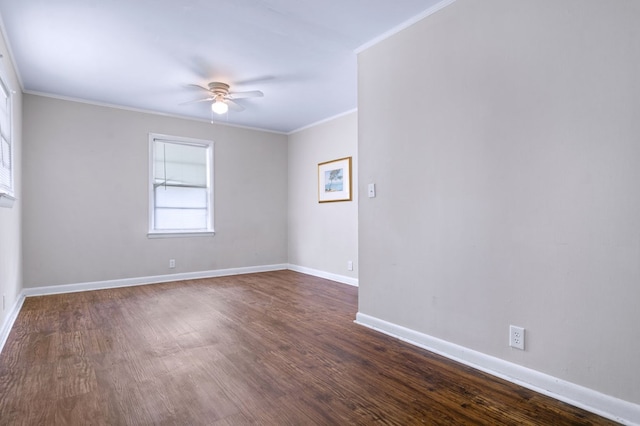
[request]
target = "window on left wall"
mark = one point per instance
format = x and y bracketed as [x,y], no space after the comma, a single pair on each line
[180,186]
[7,194]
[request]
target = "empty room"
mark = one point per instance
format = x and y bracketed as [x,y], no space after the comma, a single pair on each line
[312,213]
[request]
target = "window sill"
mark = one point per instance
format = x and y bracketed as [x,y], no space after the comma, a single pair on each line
[6,200]
[180,234]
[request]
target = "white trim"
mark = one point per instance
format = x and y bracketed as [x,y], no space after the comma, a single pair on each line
[129,282]
[147,111]
[406,24]
[157,279]
[326,120]
[179,234]
[607,406]
[326,275]
[10,320]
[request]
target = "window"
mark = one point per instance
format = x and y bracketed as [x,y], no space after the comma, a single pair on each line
[6,146]
[180,186]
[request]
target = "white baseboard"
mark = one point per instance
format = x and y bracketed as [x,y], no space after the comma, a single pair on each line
[326,275]
[10,320]
[128,282]
[606,406]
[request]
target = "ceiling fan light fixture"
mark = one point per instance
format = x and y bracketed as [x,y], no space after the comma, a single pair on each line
[219,107]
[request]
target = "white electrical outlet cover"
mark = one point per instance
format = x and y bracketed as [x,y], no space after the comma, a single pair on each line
[516,337]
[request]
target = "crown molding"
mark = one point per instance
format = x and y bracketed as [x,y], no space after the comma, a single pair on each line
[406,24]
[146,111]
[326,120]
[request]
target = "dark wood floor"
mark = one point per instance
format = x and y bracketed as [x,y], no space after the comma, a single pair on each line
[277,348]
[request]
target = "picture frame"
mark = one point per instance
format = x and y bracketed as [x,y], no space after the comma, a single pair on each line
[334,180]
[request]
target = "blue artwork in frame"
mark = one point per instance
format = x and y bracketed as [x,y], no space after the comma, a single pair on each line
[334,180]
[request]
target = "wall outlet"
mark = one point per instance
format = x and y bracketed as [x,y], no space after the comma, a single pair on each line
[349,265]
[172,263]
[516,337]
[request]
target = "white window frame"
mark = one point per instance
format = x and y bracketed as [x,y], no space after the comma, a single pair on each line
[7,189]
[163,233]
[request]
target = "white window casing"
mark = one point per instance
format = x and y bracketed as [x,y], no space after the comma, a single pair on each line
[7,189]
[180,186]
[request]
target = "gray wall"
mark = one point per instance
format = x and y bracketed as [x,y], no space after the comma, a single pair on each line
[507,176]
[86,203]
[322,236]
[10,218]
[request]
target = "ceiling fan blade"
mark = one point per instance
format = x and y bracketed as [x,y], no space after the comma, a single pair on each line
[197,100]
[233,105]
[249,94]
[198,86]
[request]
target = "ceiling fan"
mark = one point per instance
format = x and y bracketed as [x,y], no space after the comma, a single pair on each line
[222,99]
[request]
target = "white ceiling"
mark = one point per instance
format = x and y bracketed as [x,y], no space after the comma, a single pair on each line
[143,54]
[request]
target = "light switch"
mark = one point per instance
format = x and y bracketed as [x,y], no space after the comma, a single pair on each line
[372,190]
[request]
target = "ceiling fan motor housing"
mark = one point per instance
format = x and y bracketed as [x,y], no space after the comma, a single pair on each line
[219,88]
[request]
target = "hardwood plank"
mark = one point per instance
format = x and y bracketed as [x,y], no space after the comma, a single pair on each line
[274,348]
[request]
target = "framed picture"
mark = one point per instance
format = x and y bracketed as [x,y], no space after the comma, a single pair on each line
[334,180]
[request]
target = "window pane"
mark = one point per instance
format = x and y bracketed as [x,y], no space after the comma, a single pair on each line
[174,219]
[4,124]
[5,153]
[172,196]
[5,165]
[6,178]
[180,164]
[4,111]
